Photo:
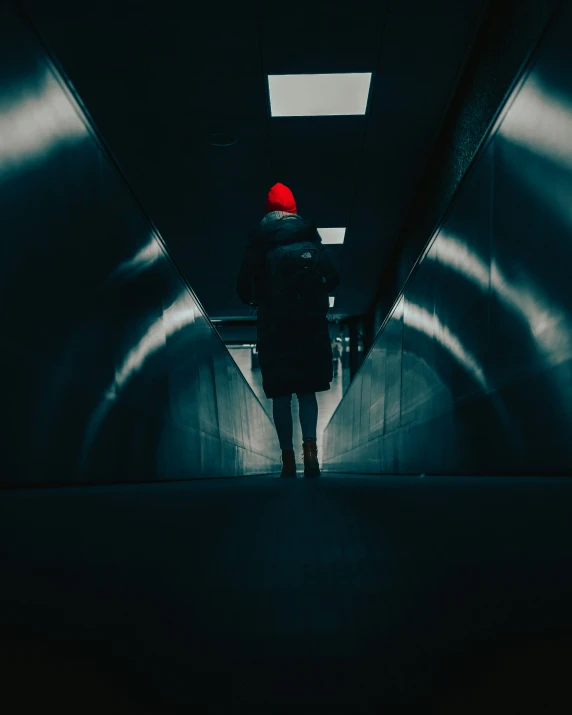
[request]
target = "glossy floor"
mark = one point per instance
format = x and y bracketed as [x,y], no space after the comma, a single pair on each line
[342,594]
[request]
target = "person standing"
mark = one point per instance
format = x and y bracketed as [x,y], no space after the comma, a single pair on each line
[335,357]
[287,274]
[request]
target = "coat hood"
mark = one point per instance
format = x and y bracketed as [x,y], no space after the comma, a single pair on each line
[282,228]
[280,198]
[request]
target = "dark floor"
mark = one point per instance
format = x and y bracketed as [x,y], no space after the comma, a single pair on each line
[344,594]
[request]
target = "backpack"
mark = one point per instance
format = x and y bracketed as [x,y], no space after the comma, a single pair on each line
[295,285]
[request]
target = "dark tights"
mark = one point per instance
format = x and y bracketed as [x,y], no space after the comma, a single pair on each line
[282,412]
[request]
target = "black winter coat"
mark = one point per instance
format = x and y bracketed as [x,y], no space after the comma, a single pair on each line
[295,356]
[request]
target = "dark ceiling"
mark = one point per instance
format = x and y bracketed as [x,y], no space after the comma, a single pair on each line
[158,77]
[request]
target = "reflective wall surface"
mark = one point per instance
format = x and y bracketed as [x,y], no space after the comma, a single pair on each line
[112,372]
[472,371]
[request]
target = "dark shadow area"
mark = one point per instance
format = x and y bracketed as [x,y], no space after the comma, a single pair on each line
[361,594]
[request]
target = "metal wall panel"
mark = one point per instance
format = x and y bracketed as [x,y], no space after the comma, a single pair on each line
[112,371]
[508,33]
[474,364]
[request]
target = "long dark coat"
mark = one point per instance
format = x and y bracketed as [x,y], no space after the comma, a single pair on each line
[295,355]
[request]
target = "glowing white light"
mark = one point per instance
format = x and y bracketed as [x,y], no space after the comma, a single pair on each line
[332,235]
[301,95]
[457,254]
[541,120]
[422,320]
[153,340]
[37,121]
[180,314]
[332,301]
[141,261]
[550,326]
[174,318]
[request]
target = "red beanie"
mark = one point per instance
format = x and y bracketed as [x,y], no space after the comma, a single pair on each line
[280,198]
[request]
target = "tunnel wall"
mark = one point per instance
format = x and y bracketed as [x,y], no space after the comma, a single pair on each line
[112,371]
[508,33]
[471,372]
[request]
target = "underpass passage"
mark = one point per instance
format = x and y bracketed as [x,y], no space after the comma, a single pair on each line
[351,593]
[347,594]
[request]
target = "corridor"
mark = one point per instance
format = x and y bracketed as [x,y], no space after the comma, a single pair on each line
[152,561]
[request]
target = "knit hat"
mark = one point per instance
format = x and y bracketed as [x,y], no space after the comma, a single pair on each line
[280,198]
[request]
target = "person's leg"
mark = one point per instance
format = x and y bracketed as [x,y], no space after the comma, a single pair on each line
[309,422]
[282,413]
[308,405]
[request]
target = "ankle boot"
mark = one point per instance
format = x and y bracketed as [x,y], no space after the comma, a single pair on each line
[288,463]
[311,466]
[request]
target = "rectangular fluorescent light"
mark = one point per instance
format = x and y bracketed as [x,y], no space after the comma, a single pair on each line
[313,95]
[332,235]
[332,299]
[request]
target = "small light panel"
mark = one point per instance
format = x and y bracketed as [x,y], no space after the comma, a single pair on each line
[313,95]
[332,235]
[332,299]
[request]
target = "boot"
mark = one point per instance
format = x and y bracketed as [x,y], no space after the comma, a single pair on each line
[288,463]
[311,466]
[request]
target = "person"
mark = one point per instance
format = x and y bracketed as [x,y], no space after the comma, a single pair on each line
[293,339]
[335,357]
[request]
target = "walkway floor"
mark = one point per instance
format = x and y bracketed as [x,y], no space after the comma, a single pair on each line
[342,594]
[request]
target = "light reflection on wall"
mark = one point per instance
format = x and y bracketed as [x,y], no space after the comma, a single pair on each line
[422,320]
[550,327]
[36,121]
[144,259]
[554,191]
[458,256]
[179,315]
[541,120]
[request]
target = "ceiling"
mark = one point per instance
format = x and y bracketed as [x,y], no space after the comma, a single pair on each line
[158,77]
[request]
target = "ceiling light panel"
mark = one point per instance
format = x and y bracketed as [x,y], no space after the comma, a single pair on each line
[332,235]
[313,95]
